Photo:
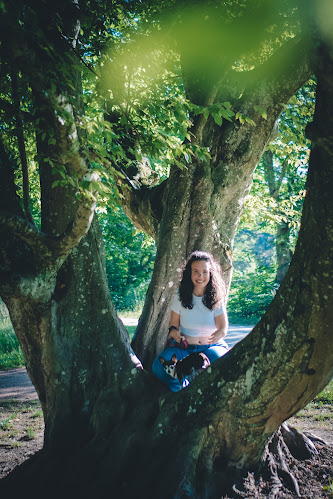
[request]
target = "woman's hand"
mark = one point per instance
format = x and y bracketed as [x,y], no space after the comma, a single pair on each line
[222,323]
[216,336]
[175,323]
[176,335]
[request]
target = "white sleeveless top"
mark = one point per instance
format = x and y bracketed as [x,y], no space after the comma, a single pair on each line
[198,321]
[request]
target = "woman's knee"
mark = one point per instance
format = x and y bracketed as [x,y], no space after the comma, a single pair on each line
[215,352]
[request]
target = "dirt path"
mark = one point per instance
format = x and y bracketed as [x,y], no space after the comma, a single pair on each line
[15,384]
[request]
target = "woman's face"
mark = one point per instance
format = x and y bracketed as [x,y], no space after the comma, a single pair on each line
[200,275]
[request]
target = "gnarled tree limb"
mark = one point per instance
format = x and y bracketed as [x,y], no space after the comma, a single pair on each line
[144,207]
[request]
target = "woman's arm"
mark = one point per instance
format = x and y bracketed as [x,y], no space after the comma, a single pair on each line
[222,324]
[175,321]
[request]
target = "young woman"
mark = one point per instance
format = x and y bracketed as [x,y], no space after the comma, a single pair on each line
[197,315]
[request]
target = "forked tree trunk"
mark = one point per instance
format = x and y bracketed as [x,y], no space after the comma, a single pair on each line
[111,429]
[190,444]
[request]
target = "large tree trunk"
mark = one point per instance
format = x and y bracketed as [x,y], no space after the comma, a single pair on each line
[61,311]
[60,332]
[111,429]
[186,445]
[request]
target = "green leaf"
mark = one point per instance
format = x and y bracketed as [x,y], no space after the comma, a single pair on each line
[179,164]
[217,118]
[205,112]
[227,114]
[261,111]
[250,121]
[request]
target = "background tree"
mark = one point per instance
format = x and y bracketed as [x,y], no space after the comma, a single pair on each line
[105,417]
[272,212]
[285,164]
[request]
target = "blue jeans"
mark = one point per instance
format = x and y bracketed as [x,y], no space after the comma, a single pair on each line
[213,352]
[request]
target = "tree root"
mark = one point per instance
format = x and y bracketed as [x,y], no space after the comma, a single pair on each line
[291,467]
[274,457]
[275,477]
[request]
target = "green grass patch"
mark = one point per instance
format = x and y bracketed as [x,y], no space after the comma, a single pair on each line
[131,331]
[326,396]
[320,409]
[10,352]
[5,424]
[30,434]
[37,414]
[130,314]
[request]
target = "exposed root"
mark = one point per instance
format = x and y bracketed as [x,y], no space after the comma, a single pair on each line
[290,462]
[299,445]
[314,438]
[274,457]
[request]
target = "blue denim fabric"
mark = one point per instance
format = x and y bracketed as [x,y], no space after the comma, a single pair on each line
[213,352]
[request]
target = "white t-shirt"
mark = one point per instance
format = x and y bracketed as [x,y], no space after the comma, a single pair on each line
[198,321]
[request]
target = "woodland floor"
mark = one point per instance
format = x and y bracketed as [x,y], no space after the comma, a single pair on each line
[21,435]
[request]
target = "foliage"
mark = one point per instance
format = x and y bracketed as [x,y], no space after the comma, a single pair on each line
[272,201]
[291,147]
[130,258]
[10,352]
[252,287]
[326,396]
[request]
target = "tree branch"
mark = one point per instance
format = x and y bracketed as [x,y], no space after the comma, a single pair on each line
[144,208]
[269,171]
[76,230]
[21,146]
[201,119]
[50,252]
[25,230]
[282,174]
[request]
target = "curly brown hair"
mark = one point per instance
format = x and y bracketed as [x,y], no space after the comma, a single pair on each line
[215,289]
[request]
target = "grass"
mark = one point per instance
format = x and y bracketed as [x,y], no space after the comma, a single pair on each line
[5,424]
[10,353]
[326,396]
[319,412]
[131,331]
[323,399]
[30,434]
[19,421]
[329,488]
[130,314]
